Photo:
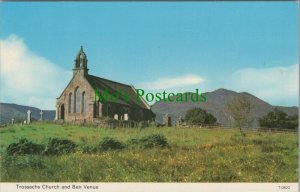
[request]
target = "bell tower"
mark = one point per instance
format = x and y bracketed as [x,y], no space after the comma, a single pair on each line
[81,61]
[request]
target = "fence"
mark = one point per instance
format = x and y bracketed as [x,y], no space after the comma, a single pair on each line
[245,129]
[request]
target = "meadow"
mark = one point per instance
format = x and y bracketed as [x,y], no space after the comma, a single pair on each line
[192,155]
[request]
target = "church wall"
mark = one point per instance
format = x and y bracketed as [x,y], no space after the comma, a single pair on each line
[81,82]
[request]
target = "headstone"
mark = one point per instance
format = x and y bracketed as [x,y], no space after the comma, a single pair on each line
[56,113]
[41,115]
[126,117]
[24,122]
[28,117]
[116,117]
[12,121]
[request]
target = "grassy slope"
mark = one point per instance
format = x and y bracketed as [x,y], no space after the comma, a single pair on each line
[195,155]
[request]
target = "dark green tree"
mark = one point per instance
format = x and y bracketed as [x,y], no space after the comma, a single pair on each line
[279,119]
[198,115]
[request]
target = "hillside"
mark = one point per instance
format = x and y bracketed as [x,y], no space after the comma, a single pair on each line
[19,113]
[216,104]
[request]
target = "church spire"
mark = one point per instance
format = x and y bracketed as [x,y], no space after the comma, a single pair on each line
[81,62]
[81,59]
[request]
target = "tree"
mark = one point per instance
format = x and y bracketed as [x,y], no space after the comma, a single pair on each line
[239,109]
[198,115]
[279,119]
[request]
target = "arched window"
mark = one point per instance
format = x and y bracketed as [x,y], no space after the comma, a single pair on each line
[83,103]
[77,101]
[70,103]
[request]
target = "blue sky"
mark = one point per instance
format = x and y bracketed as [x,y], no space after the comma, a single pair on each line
[242,46]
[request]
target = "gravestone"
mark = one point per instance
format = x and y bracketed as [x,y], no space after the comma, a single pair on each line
[126,117]
[41,113]
[116,117]
[12,121]
[28,117]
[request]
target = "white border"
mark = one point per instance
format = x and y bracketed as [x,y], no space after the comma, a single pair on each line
[156,187]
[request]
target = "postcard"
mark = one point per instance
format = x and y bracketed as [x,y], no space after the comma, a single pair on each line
[149,96]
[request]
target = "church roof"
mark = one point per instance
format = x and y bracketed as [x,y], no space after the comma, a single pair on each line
[114,87]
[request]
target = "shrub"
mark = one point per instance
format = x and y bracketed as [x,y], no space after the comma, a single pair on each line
[24,146]
[155,140]
[110,144]
[30,162]
[56,146]
[20,162]
[198,115]
[279,119]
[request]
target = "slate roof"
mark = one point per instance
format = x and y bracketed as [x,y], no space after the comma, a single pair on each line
[114,87]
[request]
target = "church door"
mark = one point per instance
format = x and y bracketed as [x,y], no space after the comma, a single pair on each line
[62,112]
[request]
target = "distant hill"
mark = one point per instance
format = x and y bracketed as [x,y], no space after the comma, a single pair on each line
[19,113]
[216,104]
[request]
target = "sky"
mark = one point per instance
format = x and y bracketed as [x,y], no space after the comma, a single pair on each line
[156,46]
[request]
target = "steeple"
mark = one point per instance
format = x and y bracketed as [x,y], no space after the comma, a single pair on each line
[81,63]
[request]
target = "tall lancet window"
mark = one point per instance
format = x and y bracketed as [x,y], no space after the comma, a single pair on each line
[77,100]
[83,103]
[70,103]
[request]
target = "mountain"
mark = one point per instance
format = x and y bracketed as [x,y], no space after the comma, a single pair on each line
[216,104]
[19,113]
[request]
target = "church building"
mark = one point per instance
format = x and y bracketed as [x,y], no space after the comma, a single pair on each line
[79,102]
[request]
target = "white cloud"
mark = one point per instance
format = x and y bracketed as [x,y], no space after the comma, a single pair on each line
[173,82]
[277,85]
[27,78]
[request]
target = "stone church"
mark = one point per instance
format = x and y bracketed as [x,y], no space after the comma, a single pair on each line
[79,103]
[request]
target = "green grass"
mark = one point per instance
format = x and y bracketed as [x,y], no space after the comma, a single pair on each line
[193,155]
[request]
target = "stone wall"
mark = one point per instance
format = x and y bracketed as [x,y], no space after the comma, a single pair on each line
[63,101]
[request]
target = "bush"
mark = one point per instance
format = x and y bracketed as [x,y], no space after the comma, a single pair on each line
[21,162]
[110,144]
[198,115]
[56,146]
[155,140]
[279,119]
[30,162]
[24,146]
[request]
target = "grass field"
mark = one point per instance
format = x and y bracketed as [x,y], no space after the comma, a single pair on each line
[193,155]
